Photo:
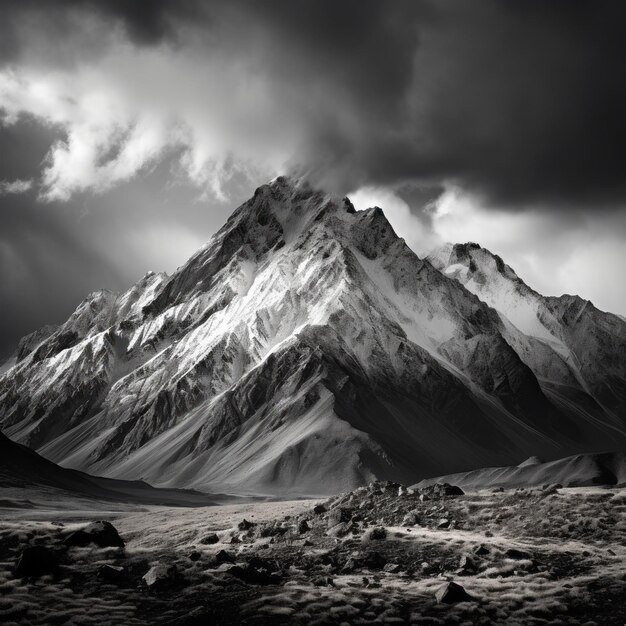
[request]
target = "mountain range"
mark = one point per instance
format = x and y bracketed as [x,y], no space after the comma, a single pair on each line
[305,350]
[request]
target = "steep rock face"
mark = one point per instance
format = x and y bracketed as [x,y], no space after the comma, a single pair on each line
[305,349]
[570,344]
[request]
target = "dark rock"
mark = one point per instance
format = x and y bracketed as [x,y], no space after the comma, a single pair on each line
[467,565]
[303,527]
[209,539]
[376,534]
[195,556]
[245,525]
[339,515]
[103,534]
[323,581]
[450,592]
[374,560]
[513,553]
[37,561]
[443,523]
[318,509]
[224,557]
[481,550]
[113,574]
[257,572]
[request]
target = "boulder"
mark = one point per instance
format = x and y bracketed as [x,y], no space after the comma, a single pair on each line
[161,577]
[514,553]
[318,509]
[209,539]
[303,527]
[481,550]
[37,561]
[257,572]
[339,515]
[375,534]
[245,525]
[113,574]
[224,557]
[374,560]
[339,530]
[103,534]
[450,593]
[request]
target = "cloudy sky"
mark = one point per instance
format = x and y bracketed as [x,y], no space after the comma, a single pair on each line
[130,130]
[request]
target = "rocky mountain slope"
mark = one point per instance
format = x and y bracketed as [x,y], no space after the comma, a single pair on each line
[305,350]
[576,350]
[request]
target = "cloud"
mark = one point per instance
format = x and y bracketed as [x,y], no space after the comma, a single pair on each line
[522,103]
[14,186]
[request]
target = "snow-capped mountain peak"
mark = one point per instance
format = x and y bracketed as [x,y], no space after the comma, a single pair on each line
[304,349]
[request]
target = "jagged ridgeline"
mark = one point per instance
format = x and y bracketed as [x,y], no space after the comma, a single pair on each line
[307,350]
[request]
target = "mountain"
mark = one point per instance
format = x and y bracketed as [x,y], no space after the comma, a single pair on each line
[304,350]
[582,470]
[576,350]
[25,476]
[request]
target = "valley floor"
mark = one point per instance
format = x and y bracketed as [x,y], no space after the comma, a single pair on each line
[375,556]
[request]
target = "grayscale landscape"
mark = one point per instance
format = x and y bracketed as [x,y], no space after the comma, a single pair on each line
[312,312]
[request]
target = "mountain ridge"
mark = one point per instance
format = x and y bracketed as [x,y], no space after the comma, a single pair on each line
[305,349]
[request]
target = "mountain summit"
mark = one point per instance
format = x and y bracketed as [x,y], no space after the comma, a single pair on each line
[305,350]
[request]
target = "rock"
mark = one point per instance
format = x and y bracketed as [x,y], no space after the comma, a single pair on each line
[224,557]
[339,530]
[209,539]
[513,553]
[410,519]
[349,566]
[323,581]
[339,515]
[480,550]
[467,565]
[162,577]
[195,556]
[375,534]
[303,527]
[374,560]
[245,525]
[392,568]
[497,490]
[113,574]
[37,561]
[451,592]
[103,534]
[443,523]
[318,509]
[257,572]
[452,490]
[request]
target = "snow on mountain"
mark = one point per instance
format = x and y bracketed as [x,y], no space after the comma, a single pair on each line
[580,470]
[572,347]
[304,350]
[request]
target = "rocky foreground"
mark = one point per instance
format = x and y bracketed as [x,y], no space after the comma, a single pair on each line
[382,554]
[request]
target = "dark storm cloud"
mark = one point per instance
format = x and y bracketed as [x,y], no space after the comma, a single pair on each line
[521,101]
